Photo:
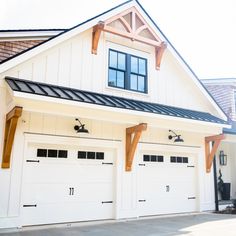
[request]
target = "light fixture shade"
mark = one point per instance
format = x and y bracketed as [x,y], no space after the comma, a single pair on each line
[178,139]
[80,128]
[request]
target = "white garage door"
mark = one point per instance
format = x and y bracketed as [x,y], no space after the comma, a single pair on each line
[64,184]
[166,183]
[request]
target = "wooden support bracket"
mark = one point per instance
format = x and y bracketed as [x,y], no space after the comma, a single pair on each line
[10,129]
[159,53]
[211,153]
[97,29]
[131,145]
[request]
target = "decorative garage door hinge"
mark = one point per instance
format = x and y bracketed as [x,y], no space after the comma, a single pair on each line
[190,166]
[141,164]
[30,205]
[142,200]
[33,161]
[107,163]
[107,202]
[191,198]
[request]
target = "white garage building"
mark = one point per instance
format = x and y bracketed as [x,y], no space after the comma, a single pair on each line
[120,76]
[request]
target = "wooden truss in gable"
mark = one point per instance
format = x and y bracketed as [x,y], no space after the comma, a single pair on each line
[130,24]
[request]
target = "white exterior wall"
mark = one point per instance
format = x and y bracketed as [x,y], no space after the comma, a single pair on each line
[126,182]
[71,64]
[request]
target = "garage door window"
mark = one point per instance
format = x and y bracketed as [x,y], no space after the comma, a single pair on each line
[52,153]
[42,152]
[153,158]
[91,155]
[174,159]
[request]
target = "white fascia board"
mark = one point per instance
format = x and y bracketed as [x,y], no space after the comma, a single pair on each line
[224,81]
[28,34]
[112,109]
[61,38]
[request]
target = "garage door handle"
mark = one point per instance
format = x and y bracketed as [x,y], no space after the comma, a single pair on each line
[191,166]
[107,163]
[141,164]
[71,191]
[33,161]
[142,200]
[191,198]
[107,202]
[30,205]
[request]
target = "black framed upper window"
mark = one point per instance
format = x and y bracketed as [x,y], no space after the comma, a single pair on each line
[127,71]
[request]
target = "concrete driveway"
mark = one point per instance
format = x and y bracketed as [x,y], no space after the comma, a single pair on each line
[195,225]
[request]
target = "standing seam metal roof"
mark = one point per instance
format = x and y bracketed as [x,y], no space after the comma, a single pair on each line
[60,92]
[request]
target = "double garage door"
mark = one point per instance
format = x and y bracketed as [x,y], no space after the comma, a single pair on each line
[68,184]
[62,184]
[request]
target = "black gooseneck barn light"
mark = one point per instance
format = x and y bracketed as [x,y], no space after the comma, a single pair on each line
[80,128]
[177,138]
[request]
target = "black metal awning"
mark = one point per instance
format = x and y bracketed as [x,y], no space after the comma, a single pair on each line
[25,86]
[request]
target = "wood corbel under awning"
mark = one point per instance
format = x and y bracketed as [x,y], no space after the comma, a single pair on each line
[131,144]
[130,24]
[210,153]
[10,129]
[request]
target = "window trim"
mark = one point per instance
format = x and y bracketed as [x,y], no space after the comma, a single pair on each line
[128,72]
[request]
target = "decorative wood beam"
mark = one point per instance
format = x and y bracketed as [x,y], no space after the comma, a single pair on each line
[131,145]
[130,31]
[10,129]
[131,36]
[209,154]
[97,29]
[159,53]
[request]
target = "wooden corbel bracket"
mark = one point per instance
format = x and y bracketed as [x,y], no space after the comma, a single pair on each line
[97,29]
[159,53]
[10,129]
[209,154]
[131,143]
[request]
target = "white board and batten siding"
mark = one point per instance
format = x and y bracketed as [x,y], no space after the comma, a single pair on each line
[71,64]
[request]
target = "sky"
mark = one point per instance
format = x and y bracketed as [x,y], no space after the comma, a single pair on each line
[203,31]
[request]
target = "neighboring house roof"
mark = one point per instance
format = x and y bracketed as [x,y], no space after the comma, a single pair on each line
[60,92]
[14,42]
[222,89]
[7,64]
[232,130]
[9,49]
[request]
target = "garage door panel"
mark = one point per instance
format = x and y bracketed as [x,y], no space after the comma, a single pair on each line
[89,191]
[67,189]
[68,212]
[168,186]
